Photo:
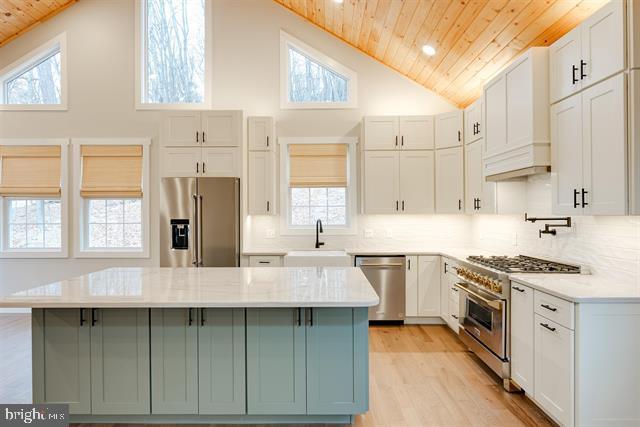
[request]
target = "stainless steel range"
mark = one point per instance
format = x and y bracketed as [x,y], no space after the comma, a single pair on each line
[484,305]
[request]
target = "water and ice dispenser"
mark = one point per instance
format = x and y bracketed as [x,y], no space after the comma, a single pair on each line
[180,234]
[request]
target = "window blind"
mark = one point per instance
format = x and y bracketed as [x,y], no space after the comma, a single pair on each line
[111,171]
[30,170]
[318,165]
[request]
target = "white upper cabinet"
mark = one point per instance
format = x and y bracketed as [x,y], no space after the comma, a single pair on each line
[416,133]
[221,128]
[262,186]
[589,53]
[605,148]
[221,162]
[566,172]
[181,162]
[417,185]
[479,194]
[603,43]
[590,151]
[399,133]
[381,182]
[516,104]
[473,126]
[260,133]
[450,180]
[564,66]
[381,133]
[428,286]
[181,128]
[449,129]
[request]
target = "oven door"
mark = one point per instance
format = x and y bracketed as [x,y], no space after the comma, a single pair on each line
[483,316]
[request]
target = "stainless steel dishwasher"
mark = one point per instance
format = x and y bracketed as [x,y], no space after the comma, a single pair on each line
[387,276]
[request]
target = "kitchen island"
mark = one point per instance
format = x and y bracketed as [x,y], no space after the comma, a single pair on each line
[205,345]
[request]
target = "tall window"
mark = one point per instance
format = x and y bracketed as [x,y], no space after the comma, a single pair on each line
[32,198]
[319,185]
[173,41]
[311,79]
[36,81]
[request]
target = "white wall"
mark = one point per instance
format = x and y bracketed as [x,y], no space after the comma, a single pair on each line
[608,244]
[100,37]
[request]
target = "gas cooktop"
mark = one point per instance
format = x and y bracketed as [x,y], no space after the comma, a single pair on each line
[523,264]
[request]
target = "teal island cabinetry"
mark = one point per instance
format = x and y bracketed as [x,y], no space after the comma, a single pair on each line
[300,358]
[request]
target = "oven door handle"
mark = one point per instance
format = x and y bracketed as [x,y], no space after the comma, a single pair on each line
[497,304]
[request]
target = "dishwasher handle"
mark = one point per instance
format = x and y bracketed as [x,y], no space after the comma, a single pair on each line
[396,264]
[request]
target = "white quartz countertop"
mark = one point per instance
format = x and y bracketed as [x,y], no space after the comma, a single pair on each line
[204,287]
[582,288]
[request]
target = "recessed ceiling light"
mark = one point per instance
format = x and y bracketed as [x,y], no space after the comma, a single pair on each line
[428,50]
[338,1]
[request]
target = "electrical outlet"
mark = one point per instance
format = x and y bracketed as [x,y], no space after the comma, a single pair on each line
[368,233]
[388,233]
[271,233]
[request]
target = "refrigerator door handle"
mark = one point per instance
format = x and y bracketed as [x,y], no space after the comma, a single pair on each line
[196,232]
[200,247]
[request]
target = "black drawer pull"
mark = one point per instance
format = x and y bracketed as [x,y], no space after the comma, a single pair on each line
[515,288]
[94,318]
[82,319]
[190,316]
[548,307]
[546,325]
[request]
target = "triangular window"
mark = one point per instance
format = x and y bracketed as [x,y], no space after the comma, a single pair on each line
[36,80]
[311,79]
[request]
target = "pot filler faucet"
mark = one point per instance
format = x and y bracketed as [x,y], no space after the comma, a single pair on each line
[318,231]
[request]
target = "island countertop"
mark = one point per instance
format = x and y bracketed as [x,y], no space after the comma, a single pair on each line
[204,287]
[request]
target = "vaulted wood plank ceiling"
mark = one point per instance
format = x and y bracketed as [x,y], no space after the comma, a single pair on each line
[19,16]
[474,38]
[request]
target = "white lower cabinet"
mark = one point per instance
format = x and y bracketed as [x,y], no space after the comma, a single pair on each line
[522,318]
[428,286]
[554,364]
[411,286]
[450,180]
[265,261]
[449,295]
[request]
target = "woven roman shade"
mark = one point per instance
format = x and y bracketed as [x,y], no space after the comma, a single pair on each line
[318,165]
[111,171]
[32,170]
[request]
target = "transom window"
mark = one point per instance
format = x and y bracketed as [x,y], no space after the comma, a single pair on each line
[36,81]
[311,79]
[114,223]
[173,39]
[34,223]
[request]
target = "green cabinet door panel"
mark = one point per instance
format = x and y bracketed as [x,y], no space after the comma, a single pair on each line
[61,358]
[337,361]
[276,372]
[120,363]
[174,361]
[221,361]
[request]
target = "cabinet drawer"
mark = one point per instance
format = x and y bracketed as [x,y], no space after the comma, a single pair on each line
[265,261]
[554,308]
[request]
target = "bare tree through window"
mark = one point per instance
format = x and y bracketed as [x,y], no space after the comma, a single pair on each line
[175,51]
[39,84]
[310,81]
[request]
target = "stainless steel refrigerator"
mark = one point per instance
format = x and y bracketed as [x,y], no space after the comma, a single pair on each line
[200,222]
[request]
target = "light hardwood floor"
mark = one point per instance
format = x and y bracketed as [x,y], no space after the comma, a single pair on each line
[419,376]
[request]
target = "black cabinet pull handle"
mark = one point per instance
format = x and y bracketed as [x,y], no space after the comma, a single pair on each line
[583,194]
[402,140]
[478,124]
[445,268]
[409,264]
[264,262]
[546,325]
[203,140]
[197,136]
[574,79]
[94,318]
[203,167]
[582,65]
[82,319]
[459,204]
[475,204]
[268,206]
[479,207]
[299,316]
[459,136]
[202,319]
[396,140]
[548,307]
[311,316]
[267,140]
[575,199]
[515,288]
[190,316]
[403,205]
[197,167]
[397,205]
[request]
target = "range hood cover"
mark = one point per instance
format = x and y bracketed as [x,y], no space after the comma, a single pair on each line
[519,173]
